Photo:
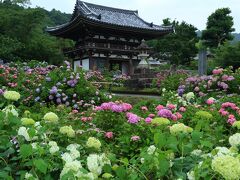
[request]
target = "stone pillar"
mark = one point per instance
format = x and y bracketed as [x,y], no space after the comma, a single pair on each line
[202,62]
[131,67]
[92,63]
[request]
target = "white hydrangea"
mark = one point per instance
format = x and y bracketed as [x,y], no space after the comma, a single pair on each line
[190,96]
[74,166]
[96,162]
[142,160]
[190,175]
[93,164]
[67,157]
[234,140]
[22,131]
[73,147]
[151,149]
[222,151]
[34,145]
[28,176]
[37,125]
[88,176]
[197,152]
[53,149]
[10,109]
[75,154]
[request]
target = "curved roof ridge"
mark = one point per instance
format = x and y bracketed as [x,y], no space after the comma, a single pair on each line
[109,8]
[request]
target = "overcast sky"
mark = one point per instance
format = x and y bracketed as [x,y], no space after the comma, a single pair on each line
[192,11]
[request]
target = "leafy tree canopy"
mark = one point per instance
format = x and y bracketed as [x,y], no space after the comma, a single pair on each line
[228,55]
[219,28]
[178,47]
[22,35]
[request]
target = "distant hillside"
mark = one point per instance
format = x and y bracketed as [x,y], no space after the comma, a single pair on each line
[236,37]
[58,17]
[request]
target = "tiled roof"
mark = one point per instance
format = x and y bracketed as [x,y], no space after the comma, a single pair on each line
[120,17]
[108,17]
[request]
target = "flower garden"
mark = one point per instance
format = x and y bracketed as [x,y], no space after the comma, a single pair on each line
[56,124]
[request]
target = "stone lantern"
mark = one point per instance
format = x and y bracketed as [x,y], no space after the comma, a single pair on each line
[143,49]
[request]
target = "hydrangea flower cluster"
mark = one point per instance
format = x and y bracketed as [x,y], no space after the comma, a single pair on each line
[73,164]
[10,109]
[227,166]
[96,162]
[27,121]
[67,130]
[53,147]
[203,115]
[167,112]
[51,117]
[234,140]
[151,149]
[160,121]
[11,95]
[114,107]
[218,81]
[132,118]
[23,131]
[92,142]
[180,128]
[224,112]
[211,101]
[135,138]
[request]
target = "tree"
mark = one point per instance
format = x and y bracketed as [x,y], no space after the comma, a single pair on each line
[22,35]
[219,28]
[20,2]
[228,55]
[178,47]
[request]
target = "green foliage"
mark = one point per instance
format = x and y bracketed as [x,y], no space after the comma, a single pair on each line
[179,47]
[219,28]
[172,82]
[22,35]
[228,55]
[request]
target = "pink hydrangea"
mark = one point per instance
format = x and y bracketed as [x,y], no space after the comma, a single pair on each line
[174,117]
[182,109]
[196,89]
[171,106]
[210,101]
[151,115]
[135,138]
[144,108]
[217,71]
[179,115]
[74,111]
[109,135]
[116,108]
[231,116]
[126,106]
[231,121]
[132,118]
[159,107]
[148,120]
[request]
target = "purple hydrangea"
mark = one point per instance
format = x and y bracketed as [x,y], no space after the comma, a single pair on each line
[37,99]
[59,101]
[165,113]
[132,118]
[54,90]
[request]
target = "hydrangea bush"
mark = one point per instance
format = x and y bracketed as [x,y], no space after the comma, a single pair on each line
[178,136]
